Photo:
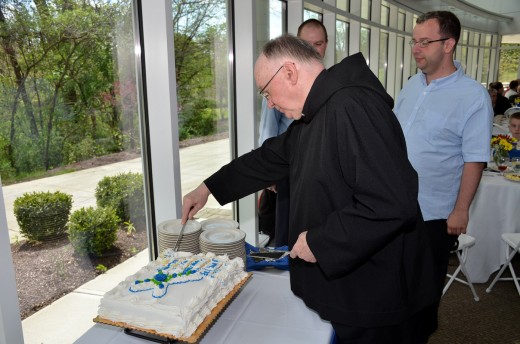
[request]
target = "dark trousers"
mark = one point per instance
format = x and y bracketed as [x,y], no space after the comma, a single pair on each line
[415,330]
[443,243]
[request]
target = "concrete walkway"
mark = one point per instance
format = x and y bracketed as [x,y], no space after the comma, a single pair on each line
[197,163]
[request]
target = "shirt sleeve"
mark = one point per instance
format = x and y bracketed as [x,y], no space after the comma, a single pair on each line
[268,123]
[477,130]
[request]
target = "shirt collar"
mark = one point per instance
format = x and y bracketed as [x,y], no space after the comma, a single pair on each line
[447,79]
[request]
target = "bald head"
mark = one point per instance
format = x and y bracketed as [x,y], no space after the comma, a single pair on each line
[285,72]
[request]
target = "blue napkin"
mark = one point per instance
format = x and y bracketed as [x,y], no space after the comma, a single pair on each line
[251,264]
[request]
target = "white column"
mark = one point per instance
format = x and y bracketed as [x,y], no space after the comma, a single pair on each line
[10,321]
[244,59]
[162,108]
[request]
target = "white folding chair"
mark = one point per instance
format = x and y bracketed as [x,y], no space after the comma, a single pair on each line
[465,242]
[513,246]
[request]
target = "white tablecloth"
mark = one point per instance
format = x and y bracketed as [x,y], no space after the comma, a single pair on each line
[264,311]
[494,210]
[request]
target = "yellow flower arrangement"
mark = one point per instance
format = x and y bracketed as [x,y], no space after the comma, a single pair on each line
[502,143]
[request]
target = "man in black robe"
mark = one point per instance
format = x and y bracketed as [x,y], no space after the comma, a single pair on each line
[359,252]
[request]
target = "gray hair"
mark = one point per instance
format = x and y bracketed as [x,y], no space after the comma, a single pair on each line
[290,46]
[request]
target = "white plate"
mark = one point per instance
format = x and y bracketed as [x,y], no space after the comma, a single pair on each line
[174,226]
[222,235]
[218,223]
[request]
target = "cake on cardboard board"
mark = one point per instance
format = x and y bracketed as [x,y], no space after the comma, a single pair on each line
[173,294]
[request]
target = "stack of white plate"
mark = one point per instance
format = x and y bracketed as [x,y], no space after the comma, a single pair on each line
[218,223]
[222,241]
[168,233]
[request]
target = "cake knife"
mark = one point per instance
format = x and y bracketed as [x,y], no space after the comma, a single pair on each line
[178,242]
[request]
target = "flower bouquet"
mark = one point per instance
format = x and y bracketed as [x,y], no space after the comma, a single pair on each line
[501,145]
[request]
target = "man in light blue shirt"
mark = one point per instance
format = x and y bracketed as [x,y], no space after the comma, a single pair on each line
[273,123]
[446,118]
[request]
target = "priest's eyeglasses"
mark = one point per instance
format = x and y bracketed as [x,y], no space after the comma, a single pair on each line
[264,93]
[425,42]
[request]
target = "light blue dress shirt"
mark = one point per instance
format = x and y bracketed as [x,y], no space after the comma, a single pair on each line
[446,124]
[272,123]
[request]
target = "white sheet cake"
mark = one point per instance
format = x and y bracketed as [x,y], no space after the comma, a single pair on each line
[173,295]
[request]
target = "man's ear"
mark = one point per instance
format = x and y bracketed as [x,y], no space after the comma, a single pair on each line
[291,72]
[449,45]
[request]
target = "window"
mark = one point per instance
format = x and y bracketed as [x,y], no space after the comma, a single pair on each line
[203,81]
[399,58]
[342,32]
[385,15]
[401,19]
[366,9]
[383,58]
[484,76]
[343,5]
[365,43]
[69,93]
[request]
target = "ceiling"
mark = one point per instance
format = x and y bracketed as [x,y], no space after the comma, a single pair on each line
[501,16]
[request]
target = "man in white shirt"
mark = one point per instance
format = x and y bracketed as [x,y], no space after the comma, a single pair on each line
[447,120]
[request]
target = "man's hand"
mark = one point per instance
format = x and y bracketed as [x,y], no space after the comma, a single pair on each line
[302,250]
[194,201]
[457,222]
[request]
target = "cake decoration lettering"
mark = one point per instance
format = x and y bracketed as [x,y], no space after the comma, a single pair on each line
[176,272]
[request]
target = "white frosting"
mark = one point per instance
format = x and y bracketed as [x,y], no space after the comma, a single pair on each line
[173,294]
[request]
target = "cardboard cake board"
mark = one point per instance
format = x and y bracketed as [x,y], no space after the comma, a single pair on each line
[204,325]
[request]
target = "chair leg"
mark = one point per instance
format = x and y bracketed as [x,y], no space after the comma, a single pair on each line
[452,278]
[510,255]
[469,282]
[461,267]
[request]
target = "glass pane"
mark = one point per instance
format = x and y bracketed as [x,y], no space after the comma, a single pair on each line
[383,58]
[399,60]
[271,22]
[464,57]
[342,33]
[364,46]
[202,67]
[343,5]
[70,127]
[366,9]
[485,63]
[308,14]
[464,38]
[385,15]
[401,18]
[508,63]
[476,39]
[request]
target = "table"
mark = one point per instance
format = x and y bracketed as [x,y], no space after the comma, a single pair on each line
[494,211]
[264,311]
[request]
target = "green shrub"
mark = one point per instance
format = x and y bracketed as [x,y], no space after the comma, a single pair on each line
[93,230]
[43,215]
[197,119]
[124,193]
